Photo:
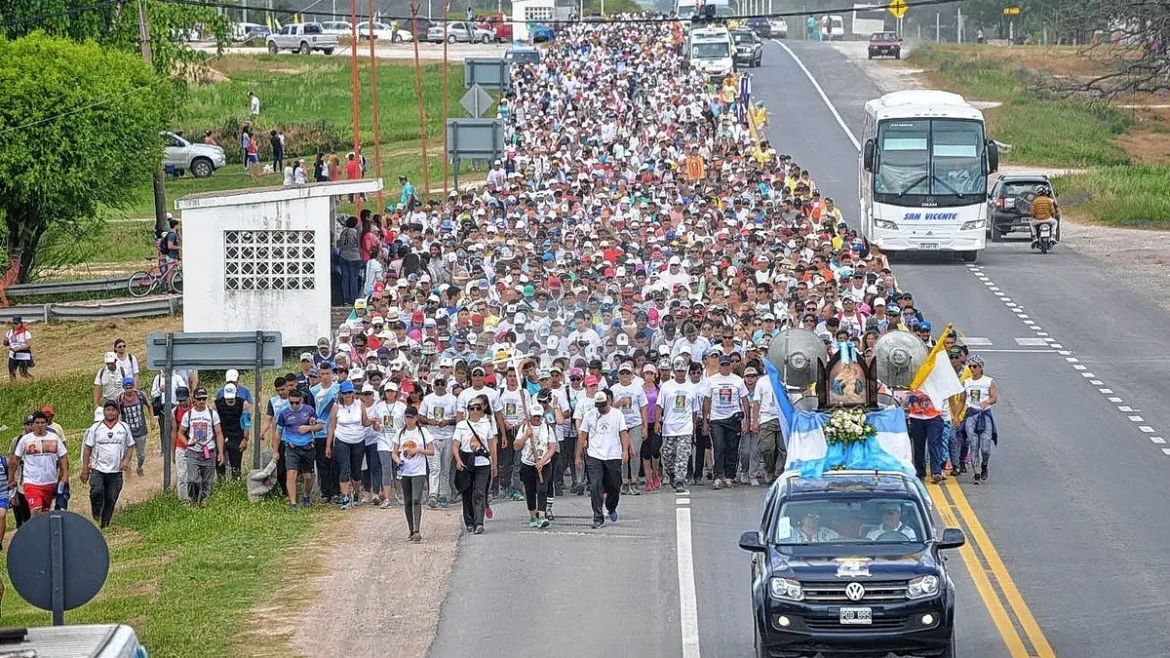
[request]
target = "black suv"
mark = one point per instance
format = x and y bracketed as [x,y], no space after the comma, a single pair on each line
[849,563]
[1002,201]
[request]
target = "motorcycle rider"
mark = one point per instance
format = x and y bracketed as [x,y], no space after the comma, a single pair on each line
[1044,211]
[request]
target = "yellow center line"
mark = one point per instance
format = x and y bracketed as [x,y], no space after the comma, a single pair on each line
[995,608]
[1006,584]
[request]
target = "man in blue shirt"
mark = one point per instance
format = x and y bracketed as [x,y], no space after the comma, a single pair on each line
[407,200]
[243,393]
[325,394]
[296,423]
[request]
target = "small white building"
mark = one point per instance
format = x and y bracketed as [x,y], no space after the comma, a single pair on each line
[531,12]
[258,259]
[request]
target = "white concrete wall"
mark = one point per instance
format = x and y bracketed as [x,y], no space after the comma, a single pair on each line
[302,316]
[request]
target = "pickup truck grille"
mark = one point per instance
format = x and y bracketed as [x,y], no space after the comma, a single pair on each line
[879,624]
[888,590]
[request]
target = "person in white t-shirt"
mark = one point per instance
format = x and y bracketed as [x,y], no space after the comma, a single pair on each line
[389,419]
[766,425]
[41,465]
[18,340]
[725,414]
[536,443]
[629,396]
[410,449]
[437,413]
[204,436]
[475,452]
[105,455]
[980,394]
[679,405]
[605,443]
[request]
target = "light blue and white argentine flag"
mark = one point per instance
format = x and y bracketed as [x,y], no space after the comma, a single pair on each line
[811,455]
[781,391]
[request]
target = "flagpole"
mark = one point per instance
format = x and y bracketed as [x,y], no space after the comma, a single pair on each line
[422,126]
[357,199]
[446,94]
[374,106]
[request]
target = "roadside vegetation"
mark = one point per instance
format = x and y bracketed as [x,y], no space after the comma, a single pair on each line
[1122,149]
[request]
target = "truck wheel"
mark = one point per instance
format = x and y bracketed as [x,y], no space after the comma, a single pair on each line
[450,38]
[485,39]
[202,168]
[304,49]
[970,256]
[761,652]
[328,51]
[272,48]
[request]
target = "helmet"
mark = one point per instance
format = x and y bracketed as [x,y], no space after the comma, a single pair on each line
[1043,189]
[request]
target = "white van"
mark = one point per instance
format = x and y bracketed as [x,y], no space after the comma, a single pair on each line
[80,641]
[711,51]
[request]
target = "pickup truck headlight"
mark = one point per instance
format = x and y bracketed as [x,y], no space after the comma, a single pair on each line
[922,587]
[971,225]
[786,588]
[886,224]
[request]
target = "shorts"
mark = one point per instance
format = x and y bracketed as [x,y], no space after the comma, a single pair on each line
[302,459]
[253,158]
[40,496]
[651,445]
[19,365]
[5,496]
[349,460]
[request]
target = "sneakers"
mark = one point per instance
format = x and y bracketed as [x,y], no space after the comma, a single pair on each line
[432,502]
[356,501]
[470,529]
[140,470]
[755,482]
[376,500]
[597,523]
[680,488]
[346,503]
[305,502]
[936,478]
[292,507]
[625,490]
[516,495]
[385,505]
[479,530]
[543,522]
[533,522]
[443,504]
[983,472]
[718,484]
[635,490]
[743,478]
[613,516]
[416,538]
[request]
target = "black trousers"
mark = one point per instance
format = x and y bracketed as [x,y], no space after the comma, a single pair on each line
[20,509]
[725,435]
[509,464]
[536,488]
[104,489]
[412,490]
[570,449]
[475,498]
[605,476]
[327,471]
[231,450]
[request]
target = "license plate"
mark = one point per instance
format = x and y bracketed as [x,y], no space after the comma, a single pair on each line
[928,246]
[857,616]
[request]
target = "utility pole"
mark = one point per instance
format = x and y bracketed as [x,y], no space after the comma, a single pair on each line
[160,182]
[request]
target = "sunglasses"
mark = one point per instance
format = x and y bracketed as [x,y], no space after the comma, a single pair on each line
[475,407]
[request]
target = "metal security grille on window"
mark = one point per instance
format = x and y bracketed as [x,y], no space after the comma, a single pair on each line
[269,260]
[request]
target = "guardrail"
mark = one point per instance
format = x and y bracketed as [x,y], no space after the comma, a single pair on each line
[136,308]
[115,284]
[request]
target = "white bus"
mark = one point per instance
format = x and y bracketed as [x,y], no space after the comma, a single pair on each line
[711,51]
[923,171]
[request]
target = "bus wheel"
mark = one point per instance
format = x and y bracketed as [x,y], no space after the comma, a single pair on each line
[970,256]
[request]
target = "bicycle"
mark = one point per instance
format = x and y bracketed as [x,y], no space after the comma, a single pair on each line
[145,282]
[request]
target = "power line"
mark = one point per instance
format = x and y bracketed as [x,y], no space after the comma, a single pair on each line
[57,14]
[608,21]
[83,108]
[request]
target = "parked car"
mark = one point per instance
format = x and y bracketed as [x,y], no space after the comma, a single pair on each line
[779,28]
[243,31]
[459,31]
[499,26]
[749,50]
[541,34]
[339,28]
[761,26]
[522,54]
[180,156]
[417,28]
[303,38]
[384,32]
[1003,201]
[885,44]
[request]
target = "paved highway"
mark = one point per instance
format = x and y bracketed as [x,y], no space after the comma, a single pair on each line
[1065,541]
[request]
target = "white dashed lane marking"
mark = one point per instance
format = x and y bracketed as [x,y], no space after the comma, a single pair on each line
[1043,339]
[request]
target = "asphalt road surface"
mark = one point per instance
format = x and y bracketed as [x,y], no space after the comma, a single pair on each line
[1065,541]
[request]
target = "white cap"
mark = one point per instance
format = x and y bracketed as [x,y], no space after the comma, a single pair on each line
[229,392]
[306,356]
[111,357]
[233,375]
[623,339]
[368,389]
[879,301]
[600,397]
[519,319]
[536,410]
[390,386]
[674,260]
[552,343]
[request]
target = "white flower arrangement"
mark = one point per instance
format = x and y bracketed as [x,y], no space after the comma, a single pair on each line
[847,426]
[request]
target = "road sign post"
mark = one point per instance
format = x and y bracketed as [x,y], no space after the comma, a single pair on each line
[69,573]
[243,350]
[474,138]
[487,73]
[898,9]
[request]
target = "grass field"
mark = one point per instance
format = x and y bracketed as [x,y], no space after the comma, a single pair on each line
[1042,128]
[1133,196]
[309,99]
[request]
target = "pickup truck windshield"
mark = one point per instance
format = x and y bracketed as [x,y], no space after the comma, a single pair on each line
[849,521]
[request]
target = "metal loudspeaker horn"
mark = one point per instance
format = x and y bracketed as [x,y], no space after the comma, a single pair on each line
[897,355]
[799,355]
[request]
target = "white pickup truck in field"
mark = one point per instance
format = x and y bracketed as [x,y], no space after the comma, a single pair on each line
[303,38]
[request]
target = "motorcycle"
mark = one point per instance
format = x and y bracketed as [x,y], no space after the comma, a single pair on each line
[1044,237]
[1045,240]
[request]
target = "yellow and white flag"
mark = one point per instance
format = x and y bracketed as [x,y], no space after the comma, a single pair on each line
[936,378]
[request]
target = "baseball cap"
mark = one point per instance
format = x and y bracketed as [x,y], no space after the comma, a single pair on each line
[724,360]
[182,393]
[233,375]
[622,339]
[538,410]
[345,387]
[305,356]
[321,342]
[47,410]
[600,397]
[200,393]
[590,380]
[127,381]
[368,390]
[390,386]
[111,357]
[411,412]
[625,367]
[229,392]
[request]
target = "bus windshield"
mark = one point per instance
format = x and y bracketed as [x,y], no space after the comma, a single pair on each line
[711,50]
[939,158]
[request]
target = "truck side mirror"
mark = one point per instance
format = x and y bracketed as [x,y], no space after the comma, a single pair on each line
[750,541]
[867,155]
[992,157]
[952,538]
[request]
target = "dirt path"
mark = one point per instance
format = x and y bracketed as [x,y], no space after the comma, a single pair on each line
[368,573]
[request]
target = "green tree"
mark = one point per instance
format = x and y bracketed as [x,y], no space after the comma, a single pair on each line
[115,24]
[78,129]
